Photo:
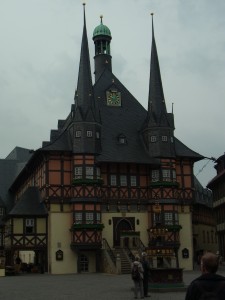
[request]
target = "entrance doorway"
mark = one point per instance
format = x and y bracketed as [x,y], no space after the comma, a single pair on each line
[120,225]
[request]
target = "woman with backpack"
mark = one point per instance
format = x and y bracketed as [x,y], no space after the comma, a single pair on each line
[137,276]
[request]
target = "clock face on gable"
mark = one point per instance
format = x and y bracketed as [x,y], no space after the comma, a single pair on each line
[113,98]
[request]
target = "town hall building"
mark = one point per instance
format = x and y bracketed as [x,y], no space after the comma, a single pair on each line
[113,178]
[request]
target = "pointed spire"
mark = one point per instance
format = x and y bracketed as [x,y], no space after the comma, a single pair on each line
[156,102]
[84,97]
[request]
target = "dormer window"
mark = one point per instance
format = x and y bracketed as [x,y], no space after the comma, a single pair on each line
[164,138]
[89,133]
[122,139]
[153,138]
[155,175]
[78,133]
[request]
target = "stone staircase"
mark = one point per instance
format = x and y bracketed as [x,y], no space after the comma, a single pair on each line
[125,261]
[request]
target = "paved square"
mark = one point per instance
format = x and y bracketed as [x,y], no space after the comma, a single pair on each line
[80,287]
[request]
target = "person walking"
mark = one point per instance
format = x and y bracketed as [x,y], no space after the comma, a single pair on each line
[137,276]
[209,285]
[146,268]
[18,262]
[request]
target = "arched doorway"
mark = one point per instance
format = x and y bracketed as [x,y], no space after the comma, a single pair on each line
[119,225]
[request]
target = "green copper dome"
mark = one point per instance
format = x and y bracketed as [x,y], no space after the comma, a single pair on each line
[101,30]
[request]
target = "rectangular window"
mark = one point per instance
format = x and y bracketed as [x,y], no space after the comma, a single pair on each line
[174,175]
[166,175]
[153,139]
[78,172]
[212,235]
[123,208]
[155,175]
[164,138]
[157,218]
[113,180]
[208,239]
[89,133]
[1,211]
[203,236]
[123,180]
[176,219]
[133,180]
[89,172]
[78,218]
[78,133]
[168,218]
[29,225]
[97,135]
[89,218]
[98,172]
[98,218]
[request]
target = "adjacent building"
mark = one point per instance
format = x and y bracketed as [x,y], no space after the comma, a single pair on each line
[217,185]
[204,223]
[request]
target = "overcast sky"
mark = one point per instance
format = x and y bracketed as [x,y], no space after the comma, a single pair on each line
[39,59]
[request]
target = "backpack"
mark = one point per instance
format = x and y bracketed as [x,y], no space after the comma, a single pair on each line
[210,295]
[135,274]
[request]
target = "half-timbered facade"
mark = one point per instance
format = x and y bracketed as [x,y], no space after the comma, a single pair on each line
[113,173]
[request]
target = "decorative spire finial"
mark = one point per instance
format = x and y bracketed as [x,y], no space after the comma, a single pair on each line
[101,17]
[152,14]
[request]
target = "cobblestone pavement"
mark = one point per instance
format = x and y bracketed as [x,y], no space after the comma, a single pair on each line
[80,287]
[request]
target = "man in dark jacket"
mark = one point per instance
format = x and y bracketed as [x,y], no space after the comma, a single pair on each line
[209,285]
[146,268]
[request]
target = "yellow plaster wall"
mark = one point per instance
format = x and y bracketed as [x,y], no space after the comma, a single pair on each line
[18,226]
[205,245]
[60,239]
[185,220]
[41,225]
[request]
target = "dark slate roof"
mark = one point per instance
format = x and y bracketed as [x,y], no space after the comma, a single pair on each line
[126,120]
[20,154]
[30,204]
[61,142]
[157,114]
[10,167]
[84,96]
